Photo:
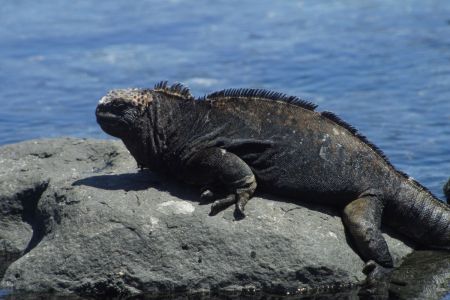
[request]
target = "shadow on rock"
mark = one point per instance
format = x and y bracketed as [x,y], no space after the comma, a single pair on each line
[140,181]
[145,179]
[301,203]
[127,182]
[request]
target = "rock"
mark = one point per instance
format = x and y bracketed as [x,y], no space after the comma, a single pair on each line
[77,217]
[446,190]
[424,274]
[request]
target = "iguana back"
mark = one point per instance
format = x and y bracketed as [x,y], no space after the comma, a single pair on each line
[291,149]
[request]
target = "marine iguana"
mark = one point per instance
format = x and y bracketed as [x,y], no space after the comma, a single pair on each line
[230,141]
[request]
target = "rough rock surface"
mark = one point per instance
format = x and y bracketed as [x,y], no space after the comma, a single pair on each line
[423,274]
[76,216]
[447,190]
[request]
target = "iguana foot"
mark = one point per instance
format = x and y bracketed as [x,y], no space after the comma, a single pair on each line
[220,199]
[206,195]
[243,195]
[377,280]
[221,204]
[375,272]
[222,171]
[240,197]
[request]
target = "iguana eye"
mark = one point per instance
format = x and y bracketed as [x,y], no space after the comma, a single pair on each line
[121,104]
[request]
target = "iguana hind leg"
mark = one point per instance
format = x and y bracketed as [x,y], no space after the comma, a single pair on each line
[362,217]
[224,171]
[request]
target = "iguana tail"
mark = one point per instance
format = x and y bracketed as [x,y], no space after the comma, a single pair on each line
[418,214]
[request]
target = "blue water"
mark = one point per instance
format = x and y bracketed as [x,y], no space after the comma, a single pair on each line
[383,66]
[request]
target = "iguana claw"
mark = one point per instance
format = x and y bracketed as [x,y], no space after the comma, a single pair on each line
[207,195]
[221,204]
[377,279]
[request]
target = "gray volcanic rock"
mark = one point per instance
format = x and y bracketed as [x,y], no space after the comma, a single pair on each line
[424,274]
[446,190]
[77,217]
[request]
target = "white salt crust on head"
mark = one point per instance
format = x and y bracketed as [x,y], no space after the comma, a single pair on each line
[134,96]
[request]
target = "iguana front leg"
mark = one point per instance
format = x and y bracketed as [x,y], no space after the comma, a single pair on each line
[215,167]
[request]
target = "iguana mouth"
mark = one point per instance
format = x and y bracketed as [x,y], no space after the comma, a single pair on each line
[108,119]
[107,116]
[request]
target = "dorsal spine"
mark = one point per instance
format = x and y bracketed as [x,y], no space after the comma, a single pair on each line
[260,94]
[176,90]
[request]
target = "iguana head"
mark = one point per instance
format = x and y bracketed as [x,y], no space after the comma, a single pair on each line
[125,114]
[141,118]
[120,112]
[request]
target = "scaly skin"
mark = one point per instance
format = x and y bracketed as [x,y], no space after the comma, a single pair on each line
[232,141]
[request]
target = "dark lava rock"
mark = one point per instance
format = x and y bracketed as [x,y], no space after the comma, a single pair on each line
[77,217]
[447,190]
[423,274]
